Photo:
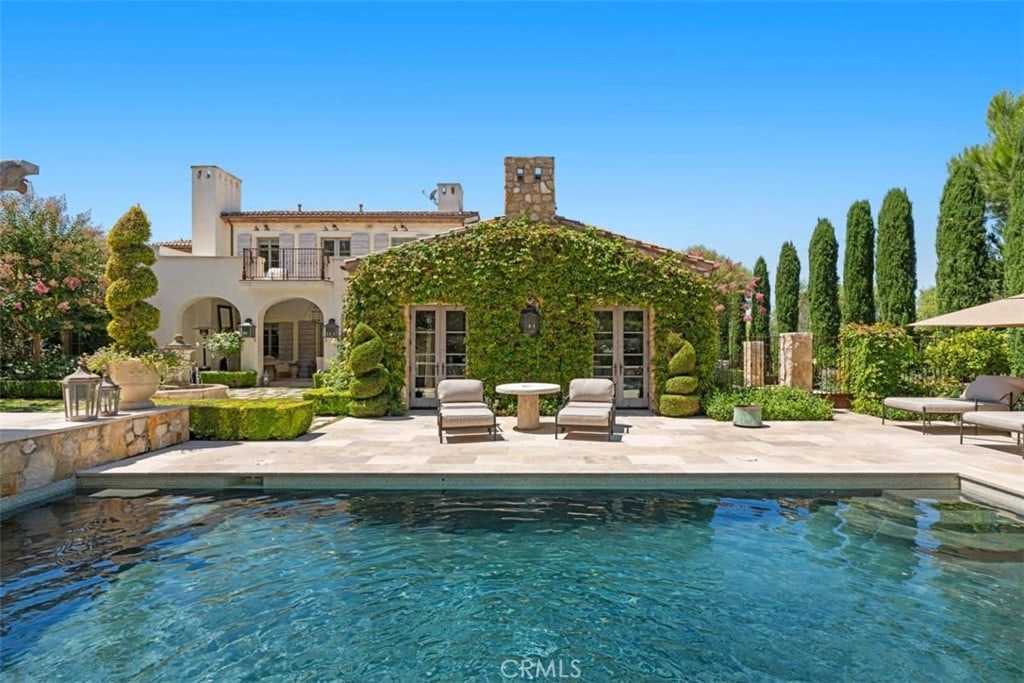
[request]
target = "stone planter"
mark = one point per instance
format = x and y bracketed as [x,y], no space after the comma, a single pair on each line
[137,380]
[838,400]
[747,416]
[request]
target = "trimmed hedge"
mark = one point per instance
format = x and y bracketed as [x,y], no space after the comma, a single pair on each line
[31,388]
[236,379]
[369,407]
[777,403]
[679,406]
[683,384]
[328,401]
[239,419]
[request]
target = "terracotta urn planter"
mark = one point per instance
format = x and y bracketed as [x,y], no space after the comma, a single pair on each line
[137,380]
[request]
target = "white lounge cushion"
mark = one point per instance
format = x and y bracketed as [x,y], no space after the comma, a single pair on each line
[591,389]
[1010,421]
[588,417]
[460,391]
[995,388]
[453,418]
[939,406]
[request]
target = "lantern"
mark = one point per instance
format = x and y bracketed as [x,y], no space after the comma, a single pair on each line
[110,397]
[331,329]
[247,329]
[81,395]
[529,321]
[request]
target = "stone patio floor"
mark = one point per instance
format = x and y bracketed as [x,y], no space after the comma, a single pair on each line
[852,452]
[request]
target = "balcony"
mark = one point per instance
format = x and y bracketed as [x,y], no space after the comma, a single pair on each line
[284,264]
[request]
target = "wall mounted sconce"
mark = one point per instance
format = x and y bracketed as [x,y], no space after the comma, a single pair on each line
[255,228]
[247,329]
[325,228]
[529,319]
[334,226]
[331,329]
[266,227]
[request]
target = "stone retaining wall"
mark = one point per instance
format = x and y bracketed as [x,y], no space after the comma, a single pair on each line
[41,457]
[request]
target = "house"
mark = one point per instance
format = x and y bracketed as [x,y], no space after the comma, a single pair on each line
[281,270]
[531,296]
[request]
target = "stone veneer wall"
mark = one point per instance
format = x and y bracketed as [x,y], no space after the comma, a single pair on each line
[528,194]
[51,455]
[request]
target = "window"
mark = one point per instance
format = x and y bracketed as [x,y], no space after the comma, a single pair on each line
[337,247]
[269,249]
[402,240]
[271,340]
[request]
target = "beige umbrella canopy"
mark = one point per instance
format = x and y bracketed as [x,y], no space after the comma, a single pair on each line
[1003,313]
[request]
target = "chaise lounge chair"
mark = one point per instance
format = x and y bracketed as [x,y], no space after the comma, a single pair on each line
[986,392]
[460,405]
[591,405]
[1011,421]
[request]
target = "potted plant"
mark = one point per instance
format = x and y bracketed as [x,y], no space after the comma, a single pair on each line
[227,344]
[132,361]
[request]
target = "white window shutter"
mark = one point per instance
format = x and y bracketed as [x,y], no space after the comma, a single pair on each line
[360,244]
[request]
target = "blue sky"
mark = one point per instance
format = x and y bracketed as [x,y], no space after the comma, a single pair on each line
[735,125]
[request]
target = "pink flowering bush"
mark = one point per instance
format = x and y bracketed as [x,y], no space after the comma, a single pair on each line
[50,277]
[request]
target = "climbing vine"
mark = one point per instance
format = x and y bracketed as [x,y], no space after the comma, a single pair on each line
[491,270]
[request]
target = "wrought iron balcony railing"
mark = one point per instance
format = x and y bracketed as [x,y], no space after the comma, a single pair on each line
[284,264]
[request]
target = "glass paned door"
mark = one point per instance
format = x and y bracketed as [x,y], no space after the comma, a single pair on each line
[620,353]
[437,350]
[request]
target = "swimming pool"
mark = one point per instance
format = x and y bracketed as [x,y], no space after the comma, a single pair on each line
[403,587]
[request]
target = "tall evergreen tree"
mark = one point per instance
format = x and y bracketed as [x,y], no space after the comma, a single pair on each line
[859,265]
[761,310]
[963,275]
[1013,252]
[787,289]
[823,290]
[896,259]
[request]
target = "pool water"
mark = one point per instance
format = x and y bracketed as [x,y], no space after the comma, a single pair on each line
[552,586]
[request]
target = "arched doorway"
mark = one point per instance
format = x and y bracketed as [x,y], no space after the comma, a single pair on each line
[202,317]
[293,339]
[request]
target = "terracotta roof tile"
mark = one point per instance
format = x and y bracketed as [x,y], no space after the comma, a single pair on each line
[178,245]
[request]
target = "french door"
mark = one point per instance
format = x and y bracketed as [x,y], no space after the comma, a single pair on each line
[438,351]
[620,354]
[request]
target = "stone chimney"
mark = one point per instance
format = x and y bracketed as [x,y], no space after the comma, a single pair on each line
[530,187]
[449,197]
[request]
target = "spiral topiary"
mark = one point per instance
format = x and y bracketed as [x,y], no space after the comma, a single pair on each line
[369,376]
[678,399]
[131,283]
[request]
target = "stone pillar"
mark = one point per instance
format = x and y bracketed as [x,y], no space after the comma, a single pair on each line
[753,363]
[796,363]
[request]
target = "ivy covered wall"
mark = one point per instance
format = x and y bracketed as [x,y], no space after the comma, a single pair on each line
[492,268]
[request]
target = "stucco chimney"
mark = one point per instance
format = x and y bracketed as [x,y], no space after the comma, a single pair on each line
[449,197]
[530,187]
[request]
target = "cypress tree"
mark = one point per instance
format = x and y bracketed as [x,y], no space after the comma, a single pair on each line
[1013,252]
[787,289]
[961,278]
[823,292]
[859,265]
[896,259]
[761,309]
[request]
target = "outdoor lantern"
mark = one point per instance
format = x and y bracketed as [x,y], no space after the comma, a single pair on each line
[529,321]
[81,394]
[331,329]
[110,397]
[247,329]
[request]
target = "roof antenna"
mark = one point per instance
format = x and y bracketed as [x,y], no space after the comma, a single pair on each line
[432,196]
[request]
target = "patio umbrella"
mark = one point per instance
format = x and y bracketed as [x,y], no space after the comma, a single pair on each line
[1003,313]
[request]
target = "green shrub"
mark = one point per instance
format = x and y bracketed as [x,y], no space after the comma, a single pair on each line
[30,388]
[234,379]
[328,401]
[683,361]
[671,405]
[319,380]
[370,384]
[336,374]
[682,384]
[370,377]
[777,403]
[131,283]
[369,407]
[877,359]
[239,419]
[965,355]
